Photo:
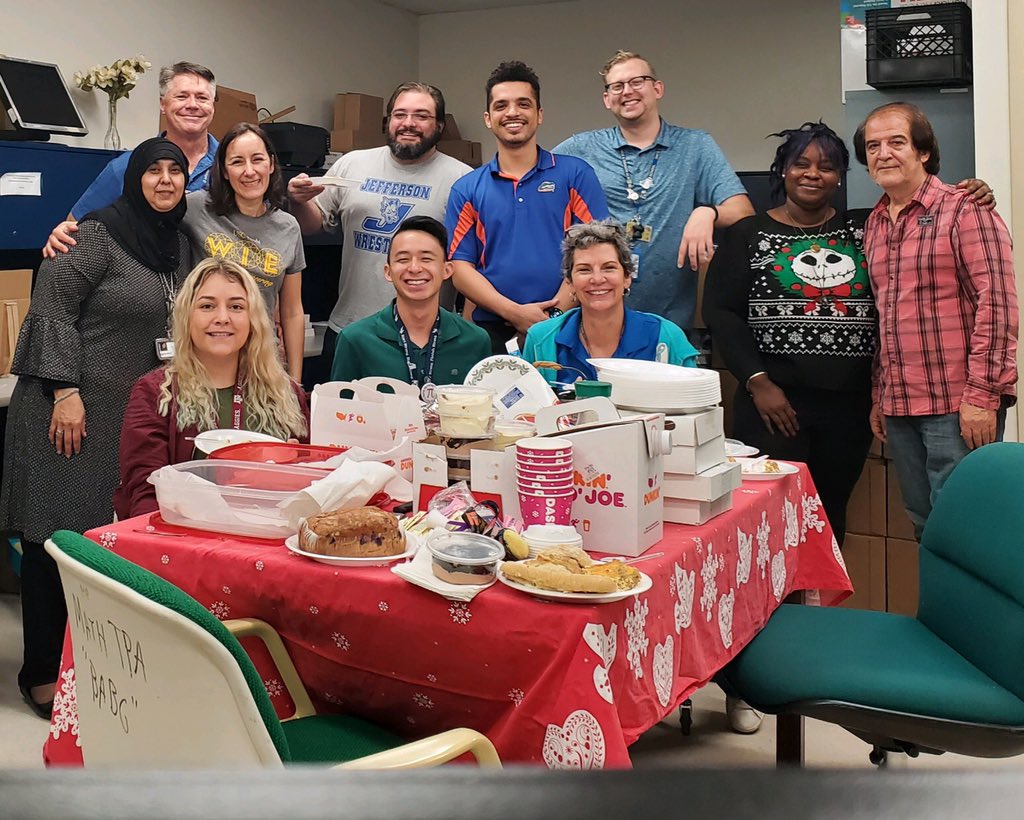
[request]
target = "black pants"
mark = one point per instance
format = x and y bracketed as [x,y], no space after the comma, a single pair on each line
[833,441]
[44,616]
[500,332]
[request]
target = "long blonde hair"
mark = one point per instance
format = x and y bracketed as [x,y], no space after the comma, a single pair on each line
[271,404]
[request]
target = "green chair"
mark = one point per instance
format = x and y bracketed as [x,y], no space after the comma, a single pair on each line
[951,679]
[161,683]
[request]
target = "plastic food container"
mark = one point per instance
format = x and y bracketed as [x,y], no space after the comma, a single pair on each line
[464,557]
[235,497]
[277,453]
[465,411]
[549,536]
[509,432]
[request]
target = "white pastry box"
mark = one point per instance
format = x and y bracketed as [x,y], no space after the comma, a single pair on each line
[617,474]
[686,511]
[698,442]
[709,485]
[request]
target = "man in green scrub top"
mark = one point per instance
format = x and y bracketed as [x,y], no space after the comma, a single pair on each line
[413,339]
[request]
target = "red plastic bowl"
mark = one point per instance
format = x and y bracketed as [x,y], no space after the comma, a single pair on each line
[273,452]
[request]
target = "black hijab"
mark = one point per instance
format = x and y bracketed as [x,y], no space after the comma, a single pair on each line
[147,235]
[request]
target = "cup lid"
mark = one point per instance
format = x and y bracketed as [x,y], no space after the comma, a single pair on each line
[464,547]
[544,443]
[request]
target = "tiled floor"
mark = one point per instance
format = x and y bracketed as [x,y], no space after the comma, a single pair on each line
[710,743]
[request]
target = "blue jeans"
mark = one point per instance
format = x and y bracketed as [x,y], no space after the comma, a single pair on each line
[925,449]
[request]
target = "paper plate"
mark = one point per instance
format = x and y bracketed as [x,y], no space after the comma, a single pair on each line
[412,543]
[579,597]
[215,439]
[518,386]
[755,469]
[737,449]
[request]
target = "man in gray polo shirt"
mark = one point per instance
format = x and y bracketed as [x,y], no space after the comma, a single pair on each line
[670,186]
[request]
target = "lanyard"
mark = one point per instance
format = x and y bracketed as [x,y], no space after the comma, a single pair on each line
[632,194]
[238,405]
[403,337]
[170,292]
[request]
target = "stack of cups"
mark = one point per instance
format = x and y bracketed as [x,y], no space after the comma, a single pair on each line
[544,480]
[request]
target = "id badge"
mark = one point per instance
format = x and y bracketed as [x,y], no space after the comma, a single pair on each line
[164,349]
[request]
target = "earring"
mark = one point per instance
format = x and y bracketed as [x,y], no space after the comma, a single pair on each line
[840,185]
[625,291]
[574,296]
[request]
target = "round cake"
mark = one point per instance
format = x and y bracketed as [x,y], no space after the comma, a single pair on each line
[367,532]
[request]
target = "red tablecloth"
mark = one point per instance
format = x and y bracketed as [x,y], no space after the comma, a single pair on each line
[566,685]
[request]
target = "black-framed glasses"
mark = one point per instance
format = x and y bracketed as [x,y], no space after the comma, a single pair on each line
[636,83]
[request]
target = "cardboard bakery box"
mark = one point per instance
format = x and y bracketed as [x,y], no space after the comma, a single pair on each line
[709,485]
[696,428]
[15,298]
[358,112]
[693,460]
[345,140]
[898,524]
[617,474]
[866,512]
[232,106]
[901,575]
[687,511]
[865,559]
[492,476]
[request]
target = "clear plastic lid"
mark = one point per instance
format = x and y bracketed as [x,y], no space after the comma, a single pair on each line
[466,548]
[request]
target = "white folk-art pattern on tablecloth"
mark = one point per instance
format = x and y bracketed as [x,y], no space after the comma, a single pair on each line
[314,610]
[382,605]
[577,744]
[274,687]
[663,669]
[811,521]
[516,696]
[637,640]
[764,531]
[838,553]
[604,646]
[779,575]
[792,534]
[165,559]
[108,539]
[259,566]
[713,564]
[459,610]
[340,641]
[423,701]
[432,678]
[725,607]
[65,708]
[686,581]
[220,610]
[226,590]
[745,545]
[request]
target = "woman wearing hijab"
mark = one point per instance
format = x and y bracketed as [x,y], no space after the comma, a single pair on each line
[99,315]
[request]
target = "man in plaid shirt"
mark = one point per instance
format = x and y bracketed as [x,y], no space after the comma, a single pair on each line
[942,273]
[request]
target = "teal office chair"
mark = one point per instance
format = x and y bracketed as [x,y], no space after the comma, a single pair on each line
[951,679]
[163,684]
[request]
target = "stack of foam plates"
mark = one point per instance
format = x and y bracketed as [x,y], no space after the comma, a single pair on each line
[655,387]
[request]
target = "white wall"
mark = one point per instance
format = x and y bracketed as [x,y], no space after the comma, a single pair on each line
[297,52]
[739,69]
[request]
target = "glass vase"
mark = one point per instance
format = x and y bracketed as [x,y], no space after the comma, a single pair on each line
[112,140]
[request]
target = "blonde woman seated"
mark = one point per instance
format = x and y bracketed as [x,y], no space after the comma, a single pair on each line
[225,374]
[598,265]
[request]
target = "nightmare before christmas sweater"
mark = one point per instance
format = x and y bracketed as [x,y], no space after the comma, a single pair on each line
[794,303]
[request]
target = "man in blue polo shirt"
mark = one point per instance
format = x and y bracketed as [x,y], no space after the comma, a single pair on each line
[507,218]
[187,94]
[670,186]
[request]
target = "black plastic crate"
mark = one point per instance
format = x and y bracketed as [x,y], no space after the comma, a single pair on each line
[928,46]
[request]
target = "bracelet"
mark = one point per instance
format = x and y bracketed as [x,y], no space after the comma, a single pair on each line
[712,207]
[752,377]
[74,390]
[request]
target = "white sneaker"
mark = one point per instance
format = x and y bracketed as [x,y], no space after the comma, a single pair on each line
[744,719]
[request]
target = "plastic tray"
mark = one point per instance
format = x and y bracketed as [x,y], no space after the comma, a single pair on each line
[277,453]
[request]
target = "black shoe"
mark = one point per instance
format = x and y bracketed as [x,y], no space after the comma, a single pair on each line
[44,710]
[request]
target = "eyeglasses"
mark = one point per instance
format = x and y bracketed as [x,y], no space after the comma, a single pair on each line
[636,84]
[419,117]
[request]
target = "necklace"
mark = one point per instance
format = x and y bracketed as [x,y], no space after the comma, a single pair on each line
[808,230]
[586,341]
[645,185]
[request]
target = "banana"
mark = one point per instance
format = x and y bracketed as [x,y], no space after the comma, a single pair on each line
[516,547]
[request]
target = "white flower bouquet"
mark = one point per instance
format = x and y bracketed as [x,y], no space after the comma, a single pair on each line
[117,79]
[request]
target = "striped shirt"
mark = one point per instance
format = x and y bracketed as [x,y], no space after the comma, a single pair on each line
[942,276]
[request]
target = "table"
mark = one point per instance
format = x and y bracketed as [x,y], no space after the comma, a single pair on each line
[556,684]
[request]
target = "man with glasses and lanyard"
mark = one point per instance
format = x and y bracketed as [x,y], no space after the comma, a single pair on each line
[413,339]
[670,186]
[379,189]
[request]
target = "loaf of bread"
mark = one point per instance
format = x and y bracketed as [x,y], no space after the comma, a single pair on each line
[367,532]
[555,577]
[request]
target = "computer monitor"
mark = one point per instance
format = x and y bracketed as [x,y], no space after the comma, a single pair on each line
[37,99]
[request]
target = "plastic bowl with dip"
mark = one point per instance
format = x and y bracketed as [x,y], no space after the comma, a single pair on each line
[464,557]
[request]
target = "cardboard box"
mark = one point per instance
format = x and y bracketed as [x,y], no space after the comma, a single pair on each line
[462,150]
[358,112]
[865,558]
[729,387]
[451,128]
[709,485]
[696,428]
[686,511]
[692,460]
[15,298]
[345,140]
[866,512]
[902,582]
[898,523]
[491,476]
[233,106]
[877,449]
[617,475]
